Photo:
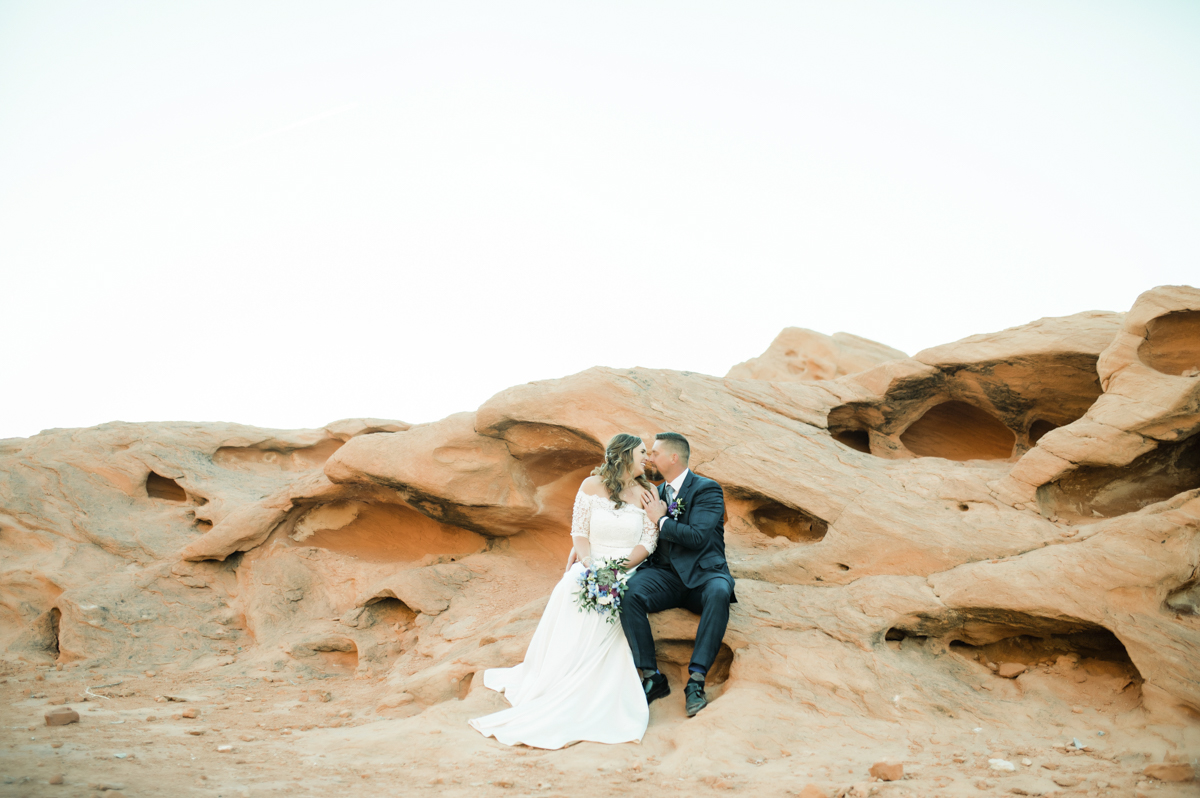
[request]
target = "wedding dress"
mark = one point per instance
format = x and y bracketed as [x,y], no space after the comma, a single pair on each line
[578,681]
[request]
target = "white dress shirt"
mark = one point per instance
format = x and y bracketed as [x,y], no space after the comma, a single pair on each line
[675,484]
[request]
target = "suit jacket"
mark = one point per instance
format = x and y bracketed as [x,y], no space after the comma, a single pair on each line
[693,545]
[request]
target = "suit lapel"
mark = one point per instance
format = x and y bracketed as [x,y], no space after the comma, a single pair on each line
[685,491]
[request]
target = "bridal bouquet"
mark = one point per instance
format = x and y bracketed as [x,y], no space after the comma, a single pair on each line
[601,588]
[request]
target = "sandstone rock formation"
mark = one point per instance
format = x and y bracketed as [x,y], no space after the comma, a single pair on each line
[993,534]
[798,354]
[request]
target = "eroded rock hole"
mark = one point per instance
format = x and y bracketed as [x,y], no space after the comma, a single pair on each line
[389,611]
[160,487]
[1092,655]
[55,624]
[678,653]
[959,431]
[1185,600]
[1108,491]
[1083,662]
[1039,428]
[857,439]
[380,532]
[897,634]
[1172,344]
[848,427]
[777,520]
[276,458]
[548,452]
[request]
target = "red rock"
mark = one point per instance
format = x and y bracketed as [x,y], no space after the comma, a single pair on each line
[1170,772]
[1011,670]
[190,712]
[61,716]
[1057,406]
[813,791]
[55,779]
[887,771]
[798,355]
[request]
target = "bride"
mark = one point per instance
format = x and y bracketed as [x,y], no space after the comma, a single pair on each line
[578,681]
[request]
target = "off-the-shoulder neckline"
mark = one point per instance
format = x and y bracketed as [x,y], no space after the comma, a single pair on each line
[641,510]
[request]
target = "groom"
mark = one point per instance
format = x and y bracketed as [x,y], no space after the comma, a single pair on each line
[688,569]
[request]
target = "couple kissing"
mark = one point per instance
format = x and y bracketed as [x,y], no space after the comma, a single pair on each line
[637,549]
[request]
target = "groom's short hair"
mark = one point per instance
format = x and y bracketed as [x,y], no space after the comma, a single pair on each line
[676,443]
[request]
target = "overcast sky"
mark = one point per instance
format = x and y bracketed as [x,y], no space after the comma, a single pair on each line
[285,214]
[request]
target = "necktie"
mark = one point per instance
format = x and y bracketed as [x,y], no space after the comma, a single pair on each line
[665,545]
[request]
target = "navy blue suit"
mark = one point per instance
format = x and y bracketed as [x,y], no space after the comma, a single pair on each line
[688,569]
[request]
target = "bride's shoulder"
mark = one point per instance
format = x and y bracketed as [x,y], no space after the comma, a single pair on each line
[593,486]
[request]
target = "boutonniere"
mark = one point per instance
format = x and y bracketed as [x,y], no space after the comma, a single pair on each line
[676,508]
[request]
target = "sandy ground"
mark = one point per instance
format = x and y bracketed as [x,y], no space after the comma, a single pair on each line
[294,736]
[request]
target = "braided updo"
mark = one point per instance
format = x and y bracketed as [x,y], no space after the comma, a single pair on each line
[618,461]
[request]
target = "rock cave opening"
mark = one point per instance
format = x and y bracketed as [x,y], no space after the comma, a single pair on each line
[160,487]
[778,520]
[553,461]
[1042,649]
[857,439]
[1082,660]
[390,611]
[769,522]
[55,625]
[960,431]
[547,467]
[1108,491]
[1172,344]
[847,426]
[1039,428]
[678,653]
[381,532]
[276,458]
[1184,600]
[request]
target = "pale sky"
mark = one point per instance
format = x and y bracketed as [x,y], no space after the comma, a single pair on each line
[287,213]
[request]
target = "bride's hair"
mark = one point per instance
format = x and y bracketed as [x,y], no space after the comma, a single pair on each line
[618,460]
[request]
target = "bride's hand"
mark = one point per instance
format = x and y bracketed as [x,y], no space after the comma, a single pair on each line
[647,497]
[654,507]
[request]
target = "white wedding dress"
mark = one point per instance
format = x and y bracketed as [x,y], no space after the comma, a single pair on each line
[578,681]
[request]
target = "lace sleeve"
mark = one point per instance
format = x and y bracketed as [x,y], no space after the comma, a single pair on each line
[581,517]
[649,537]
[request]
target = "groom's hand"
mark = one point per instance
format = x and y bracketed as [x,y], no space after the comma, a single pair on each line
[655,508]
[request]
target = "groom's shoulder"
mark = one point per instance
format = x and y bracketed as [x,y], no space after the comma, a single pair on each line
[703,483]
